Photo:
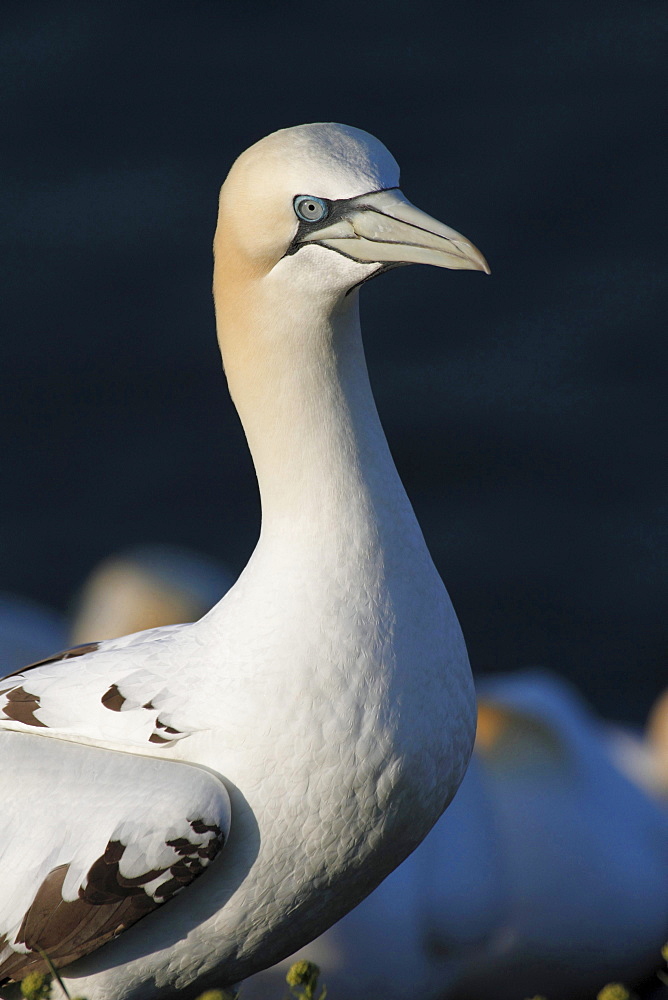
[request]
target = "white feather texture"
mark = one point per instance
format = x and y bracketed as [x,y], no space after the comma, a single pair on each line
[330,689]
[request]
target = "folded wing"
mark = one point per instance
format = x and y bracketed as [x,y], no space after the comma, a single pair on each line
[125,693]
[91,840]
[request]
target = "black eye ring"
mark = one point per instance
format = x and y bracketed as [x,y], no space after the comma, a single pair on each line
[310,209]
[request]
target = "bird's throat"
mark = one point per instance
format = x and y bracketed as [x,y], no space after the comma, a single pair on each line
[299,381]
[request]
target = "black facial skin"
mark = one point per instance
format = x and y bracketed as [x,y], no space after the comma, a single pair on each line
[337,210]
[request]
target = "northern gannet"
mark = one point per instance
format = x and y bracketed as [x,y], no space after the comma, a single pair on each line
[313,726]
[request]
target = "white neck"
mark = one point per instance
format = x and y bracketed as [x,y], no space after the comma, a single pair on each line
[302,391]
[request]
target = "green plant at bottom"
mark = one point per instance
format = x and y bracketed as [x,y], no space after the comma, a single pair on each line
[614,991]
[217,995]
[302,978]
[36,986]
[662,975]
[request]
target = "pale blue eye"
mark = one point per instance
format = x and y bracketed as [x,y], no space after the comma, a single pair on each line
[310,209]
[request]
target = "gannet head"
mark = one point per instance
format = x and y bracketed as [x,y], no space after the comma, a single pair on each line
[323,200]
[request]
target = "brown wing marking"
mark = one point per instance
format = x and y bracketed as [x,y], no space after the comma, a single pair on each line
[21,704]
[113,699]
[65,654]
[109,903]
[157,737]
[21,707]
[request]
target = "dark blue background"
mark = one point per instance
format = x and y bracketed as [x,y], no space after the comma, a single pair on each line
[526,411]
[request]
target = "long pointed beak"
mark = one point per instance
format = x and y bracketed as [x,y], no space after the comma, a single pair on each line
[384,227]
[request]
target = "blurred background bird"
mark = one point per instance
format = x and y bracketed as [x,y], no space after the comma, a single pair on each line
[145,587]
